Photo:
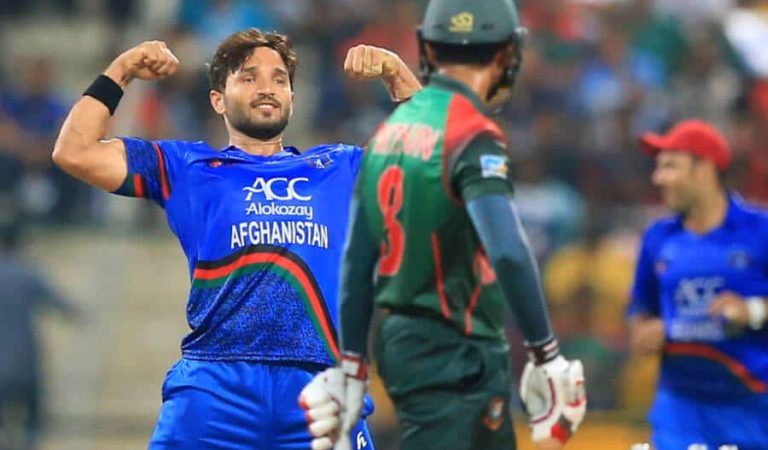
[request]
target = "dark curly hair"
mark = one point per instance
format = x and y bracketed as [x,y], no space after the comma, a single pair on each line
[235,50]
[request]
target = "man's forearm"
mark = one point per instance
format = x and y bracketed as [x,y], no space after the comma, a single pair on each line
[402,85]
[356,296]
[646,334]
[88,120]
[499,229]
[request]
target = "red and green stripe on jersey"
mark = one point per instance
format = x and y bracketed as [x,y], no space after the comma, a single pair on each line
[739,371]
[282,262]
[135,184]
[429,250]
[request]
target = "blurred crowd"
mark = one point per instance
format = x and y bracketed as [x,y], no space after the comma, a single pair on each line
[596,74]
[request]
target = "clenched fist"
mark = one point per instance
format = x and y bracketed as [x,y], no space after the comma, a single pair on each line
[366,62]
[150,60]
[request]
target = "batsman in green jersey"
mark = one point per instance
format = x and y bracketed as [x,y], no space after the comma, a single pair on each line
[435,241]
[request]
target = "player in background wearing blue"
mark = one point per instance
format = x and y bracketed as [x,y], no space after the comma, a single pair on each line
[262,226]
[699,298]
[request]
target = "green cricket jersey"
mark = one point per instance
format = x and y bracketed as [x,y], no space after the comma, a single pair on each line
[412,190]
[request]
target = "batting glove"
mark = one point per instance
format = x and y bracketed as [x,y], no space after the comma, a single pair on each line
[355,387]
[554,397]
[322,399]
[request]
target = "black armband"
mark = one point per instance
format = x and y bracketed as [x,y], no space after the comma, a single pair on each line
[543,352]
[105,90]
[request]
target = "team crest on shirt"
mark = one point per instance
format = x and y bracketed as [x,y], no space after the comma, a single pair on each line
[495,416]
[739,259]
[661,266]
[320,162]
[493,166]
[214,163]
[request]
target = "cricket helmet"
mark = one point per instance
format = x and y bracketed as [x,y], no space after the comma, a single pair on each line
[472,22]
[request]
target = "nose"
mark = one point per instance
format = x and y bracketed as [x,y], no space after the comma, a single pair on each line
[264,87]
[657,177]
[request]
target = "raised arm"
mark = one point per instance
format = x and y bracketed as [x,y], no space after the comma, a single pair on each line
[82,148]
[366,62]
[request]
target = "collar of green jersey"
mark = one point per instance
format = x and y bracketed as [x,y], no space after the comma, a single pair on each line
[452,84]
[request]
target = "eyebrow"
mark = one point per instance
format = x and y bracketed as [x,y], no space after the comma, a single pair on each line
[254,69]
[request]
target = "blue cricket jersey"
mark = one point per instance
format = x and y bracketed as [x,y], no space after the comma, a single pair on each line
[678,275]
[263,236]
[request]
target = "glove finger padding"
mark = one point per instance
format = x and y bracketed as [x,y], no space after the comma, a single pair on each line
[554,398]
[323,443]
[322,399]
[353,403]
[325,427]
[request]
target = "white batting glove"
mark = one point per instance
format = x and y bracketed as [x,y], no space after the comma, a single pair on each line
[555,399]
[355,387]
[322,399]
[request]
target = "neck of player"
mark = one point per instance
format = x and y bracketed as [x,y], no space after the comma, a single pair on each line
[478,79]
[255,146]
[708,213]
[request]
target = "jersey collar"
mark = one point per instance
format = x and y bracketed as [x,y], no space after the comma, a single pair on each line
[452,84]
[287,151]
[735,210]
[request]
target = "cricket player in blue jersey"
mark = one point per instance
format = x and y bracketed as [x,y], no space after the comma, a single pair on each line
[699,298]
[262,226]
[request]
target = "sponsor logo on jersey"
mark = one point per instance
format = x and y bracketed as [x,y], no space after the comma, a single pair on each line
[693,295]
[276,209]
[693,321]
[274,191]
[277,188]
[493,166]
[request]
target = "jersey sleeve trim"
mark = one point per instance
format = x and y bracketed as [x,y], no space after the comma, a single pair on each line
[138,186]
[439,278]
[164,184]
[463,123]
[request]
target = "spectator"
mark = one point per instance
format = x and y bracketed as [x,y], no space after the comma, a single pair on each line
[24,292]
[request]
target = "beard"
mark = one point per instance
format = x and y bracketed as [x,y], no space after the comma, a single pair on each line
[262,129]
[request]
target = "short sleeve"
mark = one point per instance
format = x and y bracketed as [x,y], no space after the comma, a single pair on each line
[482,168]
[151,170]
[645,292]
[356,159]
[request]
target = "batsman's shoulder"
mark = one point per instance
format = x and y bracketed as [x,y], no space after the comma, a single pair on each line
[465,121]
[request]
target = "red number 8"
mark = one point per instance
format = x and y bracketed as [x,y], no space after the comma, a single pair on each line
[390,196]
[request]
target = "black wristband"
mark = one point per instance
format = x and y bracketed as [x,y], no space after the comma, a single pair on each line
[544,352]
[105,90]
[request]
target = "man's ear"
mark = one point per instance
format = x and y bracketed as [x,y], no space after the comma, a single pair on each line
[505,57]
[217,101]
[429,51]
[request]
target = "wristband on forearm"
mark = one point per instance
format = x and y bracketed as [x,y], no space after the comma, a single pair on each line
[543,352]
[757,312]
[105,90]
[353,365]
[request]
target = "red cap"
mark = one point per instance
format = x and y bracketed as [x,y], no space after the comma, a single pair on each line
[691,136]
